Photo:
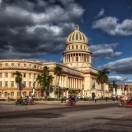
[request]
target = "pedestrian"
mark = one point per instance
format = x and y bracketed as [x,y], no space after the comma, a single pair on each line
[95,99]
[106,99]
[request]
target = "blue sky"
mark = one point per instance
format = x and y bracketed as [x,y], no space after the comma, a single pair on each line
[110,22]
[37,29]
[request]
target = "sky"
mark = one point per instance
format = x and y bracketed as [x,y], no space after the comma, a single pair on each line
[37,29]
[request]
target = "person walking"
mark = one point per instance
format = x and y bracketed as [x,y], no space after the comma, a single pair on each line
[106,99]
[95,100]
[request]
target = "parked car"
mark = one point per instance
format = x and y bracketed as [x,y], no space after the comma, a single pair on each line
[129,103]
[123,102]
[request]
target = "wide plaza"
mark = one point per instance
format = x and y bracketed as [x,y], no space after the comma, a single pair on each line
[84,117]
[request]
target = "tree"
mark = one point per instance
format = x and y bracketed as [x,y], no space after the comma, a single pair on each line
[102,78]
[18,80]
[45,80]
[58,72]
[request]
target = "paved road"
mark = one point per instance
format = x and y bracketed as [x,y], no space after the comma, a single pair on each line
[84,118]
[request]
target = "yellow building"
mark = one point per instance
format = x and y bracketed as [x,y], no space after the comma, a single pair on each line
[77,71]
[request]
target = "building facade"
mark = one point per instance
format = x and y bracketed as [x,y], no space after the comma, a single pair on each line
[123,89]
[77,72]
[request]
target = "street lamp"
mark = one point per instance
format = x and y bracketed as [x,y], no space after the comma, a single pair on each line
[33,90]
[124,86]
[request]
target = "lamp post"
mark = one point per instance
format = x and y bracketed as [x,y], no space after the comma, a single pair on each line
[124,86]
[33,90]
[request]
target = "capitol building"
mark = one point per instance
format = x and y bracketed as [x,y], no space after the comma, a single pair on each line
[77,72]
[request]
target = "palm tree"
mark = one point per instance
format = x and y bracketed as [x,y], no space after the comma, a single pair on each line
[45,80]
[58,72]
[18,80]
[102,78]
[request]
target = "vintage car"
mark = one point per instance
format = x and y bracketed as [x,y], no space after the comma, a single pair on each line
[126,103]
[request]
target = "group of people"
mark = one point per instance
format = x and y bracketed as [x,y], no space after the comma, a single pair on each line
[29,100]
[25,101]
[71,100]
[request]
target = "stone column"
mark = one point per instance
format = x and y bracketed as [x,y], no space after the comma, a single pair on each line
[70,83]
[74,83]
[90,59]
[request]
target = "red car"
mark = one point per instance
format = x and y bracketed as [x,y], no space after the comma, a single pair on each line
[129,103]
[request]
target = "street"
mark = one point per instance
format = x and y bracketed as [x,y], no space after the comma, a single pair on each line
[80,118]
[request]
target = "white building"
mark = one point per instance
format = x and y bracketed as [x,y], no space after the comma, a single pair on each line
[78,73]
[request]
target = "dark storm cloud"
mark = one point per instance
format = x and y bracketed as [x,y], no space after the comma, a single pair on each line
[33,27]
[107,50]
[122,66]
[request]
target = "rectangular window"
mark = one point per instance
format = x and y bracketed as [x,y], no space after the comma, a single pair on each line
[12,93]
[18,93]
[29,83]
[6,74]
[6,94]
[0,75]
[12,74]
[12,64]
[0,94]
[6,83]
[24,93]
[24,83]
[6,64]
[18,65]
[29,75]
[0,83]
[12,83]
[34,66]
[34,75]
[24,75]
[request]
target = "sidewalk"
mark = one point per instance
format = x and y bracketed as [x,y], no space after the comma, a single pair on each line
[10,106]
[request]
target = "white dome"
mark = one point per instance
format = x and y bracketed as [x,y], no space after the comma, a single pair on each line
[76,36]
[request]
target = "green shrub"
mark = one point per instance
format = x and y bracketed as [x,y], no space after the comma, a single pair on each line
[52,99]
[3,99]
[85,99]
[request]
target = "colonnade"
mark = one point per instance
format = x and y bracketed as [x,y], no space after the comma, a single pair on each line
[77,57]
[70,82]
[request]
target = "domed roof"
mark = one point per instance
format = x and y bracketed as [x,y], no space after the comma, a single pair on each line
[76,36]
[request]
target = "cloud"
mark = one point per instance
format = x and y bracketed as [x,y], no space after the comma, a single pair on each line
[101,13]
[112,26]
[117,78]
[30,28]
[105,50]
[122,66]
